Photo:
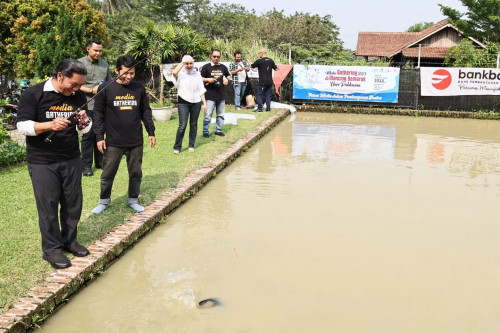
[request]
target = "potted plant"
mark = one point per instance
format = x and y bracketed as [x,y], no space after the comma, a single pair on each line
[162,111]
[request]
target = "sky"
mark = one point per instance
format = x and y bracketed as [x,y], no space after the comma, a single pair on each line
[352,16]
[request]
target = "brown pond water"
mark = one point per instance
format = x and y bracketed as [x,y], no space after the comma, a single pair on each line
[330,223]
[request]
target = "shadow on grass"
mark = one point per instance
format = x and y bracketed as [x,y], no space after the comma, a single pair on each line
[96,226]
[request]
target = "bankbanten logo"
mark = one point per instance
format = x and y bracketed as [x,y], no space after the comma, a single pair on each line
[441,79]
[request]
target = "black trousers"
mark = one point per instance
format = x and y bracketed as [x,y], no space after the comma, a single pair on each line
[185,111]
[58,195]
[112,159]
[89,148]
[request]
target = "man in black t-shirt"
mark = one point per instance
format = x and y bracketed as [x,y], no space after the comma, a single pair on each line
[215,76]
[265,66]
[119,112]
[55,167]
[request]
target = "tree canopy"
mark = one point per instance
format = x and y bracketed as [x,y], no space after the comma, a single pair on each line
[466,54]
[418,27]
[38,32]
[34,20]
[481,20]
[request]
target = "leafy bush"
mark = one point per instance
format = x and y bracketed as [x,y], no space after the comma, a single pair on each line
[4,136]
[11,153]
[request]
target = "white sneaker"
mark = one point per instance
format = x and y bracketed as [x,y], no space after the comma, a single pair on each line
[99,209]
[138,208]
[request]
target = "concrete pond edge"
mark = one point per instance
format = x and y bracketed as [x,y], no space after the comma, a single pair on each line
[399,112]
[29,311]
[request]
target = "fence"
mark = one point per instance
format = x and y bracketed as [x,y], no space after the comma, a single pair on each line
[408,98]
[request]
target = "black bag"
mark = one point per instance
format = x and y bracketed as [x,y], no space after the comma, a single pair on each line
[248,88]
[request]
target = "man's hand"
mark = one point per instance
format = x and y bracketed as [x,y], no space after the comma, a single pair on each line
[101,146]
[152,141]
[204,106]
[58,124]
[82,113]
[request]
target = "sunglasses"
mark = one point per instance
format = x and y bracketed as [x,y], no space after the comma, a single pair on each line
[214,56]
[189,63]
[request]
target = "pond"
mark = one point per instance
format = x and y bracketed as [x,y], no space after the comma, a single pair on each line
[331,222]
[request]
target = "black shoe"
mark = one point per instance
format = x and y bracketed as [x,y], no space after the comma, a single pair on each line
[257,110]
[58,261]
[87,171]
[206,135]
[98,166]
[77,249]
[220,134]
[268,110]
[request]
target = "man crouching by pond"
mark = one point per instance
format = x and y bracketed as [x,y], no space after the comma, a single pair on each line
[118,112]
[55,167]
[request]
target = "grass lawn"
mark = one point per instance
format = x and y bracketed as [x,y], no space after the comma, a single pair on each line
[21,263]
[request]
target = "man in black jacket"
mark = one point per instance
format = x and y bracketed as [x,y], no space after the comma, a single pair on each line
[118,113]
[55,166]
[97,72]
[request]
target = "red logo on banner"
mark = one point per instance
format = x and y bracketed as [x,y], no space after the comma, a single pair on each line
[441,79]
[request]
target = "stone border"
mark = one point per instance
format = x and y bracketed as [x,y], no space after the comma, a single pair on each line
[61,284]
[398,112]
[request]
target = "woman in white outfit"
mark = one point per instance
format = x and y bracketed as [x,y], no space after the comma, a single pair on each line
[191,97]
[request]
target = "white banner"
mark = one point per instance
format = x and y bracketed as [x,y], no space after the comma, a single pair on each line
[253,73]
[459,81]
[346,83]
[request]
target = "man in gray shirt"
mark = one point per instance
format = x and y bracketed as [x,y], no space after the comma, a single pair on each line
[97,72]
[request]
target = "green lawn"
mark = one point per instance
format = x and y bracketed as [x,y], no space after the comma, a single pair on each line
[21,264]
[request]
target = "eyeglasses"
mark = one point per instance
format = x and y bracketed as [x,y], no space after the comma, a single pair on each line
[214,56]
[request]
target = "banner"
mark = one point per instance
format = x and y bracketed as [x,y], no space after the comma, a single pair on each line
[346,83]
[459,81]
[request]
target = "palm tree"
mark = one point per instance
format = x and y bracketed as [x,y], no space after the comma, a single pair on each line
[112,6]
[161,43]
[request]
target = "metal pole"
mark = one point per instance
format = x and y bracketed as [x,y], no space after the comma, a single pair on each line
[290,53]
[419,52]
[498,59]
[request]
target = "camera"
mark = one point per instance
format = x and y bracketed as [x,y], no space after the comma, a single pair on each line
[217,81]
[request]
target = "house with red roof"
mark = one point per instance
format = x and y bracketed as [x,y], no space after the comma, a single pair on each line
[425,48]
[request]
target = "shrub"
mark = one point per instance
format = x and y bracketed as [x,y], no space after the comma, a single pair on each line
[4,136]
[11,153]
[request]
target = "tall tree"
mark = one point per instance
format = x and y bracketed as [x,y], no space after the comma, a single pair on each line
[113,6]
[309,36]
[63,40]
[481,20]
[421,26]
[162,43]
[37,17]
[227,21]
[466,54]
[7,19]
[167,10]
[300,28]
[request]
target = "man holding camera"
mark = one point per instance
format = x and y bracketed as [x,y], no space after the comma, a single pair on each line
[215,76]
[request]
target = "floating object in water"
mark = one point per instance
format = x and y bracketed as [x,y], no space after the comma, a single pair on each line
[208,303]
